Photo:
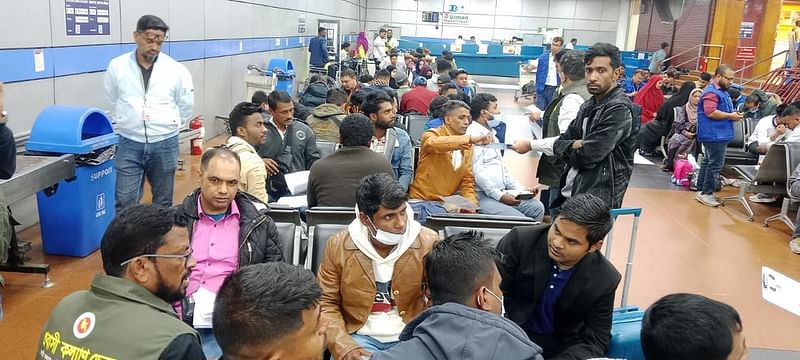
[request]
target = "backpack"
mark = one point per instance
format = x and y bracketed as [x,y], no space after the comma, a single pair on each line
[681,174]
[529,88]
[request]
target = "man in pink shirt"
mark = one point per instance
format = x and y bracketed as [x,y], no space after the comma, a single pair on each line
[228,229]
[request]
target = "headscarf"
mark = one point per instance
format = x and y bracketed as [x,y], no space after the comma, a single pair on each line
[691,110]
[666,112]
[650,98]
[362,45]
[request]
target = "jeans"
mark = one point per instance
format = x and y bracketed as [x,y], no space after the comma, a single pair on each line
[532,208]
[555,193]
[544,97]
[372,345]
[712,164]
[424,208]
[210,347]
[136,161]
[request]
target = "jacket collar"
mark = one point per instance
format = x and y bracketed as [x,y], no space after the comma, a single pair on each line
[128,290]
[575,87]
[249,207]
[235,141]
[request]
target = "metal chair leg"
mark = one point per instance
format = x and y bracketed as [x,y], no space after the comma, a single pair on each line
[740,198]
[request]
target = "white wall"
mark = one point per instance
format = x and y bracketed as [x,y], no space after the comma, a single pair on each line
[589,21]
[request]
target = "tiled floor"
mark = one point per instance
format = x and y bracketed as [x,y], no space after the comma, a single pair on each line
[682,247]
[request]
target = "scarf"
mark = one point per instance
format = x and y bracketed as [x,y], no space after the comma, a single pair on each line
[649,98]
[691,110]
[362,44]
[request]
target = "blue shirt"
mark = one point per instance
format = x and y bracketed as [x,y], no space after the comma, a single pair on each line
[318,47]
[500,128]
[629,87]
[541,323]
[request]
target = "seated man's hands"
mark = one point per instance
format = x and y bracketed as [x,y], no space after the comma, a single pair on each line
[272,166]
[521,146]
[509,200]
[535,116]
[481,139]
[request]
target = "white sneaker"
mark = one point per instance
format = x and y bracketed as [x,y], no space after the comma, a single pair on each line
[763,198]
[794,245]
[707,200]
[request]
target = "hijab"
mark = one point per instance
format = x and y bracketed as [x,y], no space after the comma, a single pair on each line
[691,110]
[649,98]
[666,111]
[362,43]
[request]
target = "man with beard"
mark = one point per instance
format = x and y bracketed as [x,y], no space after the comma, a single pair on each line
[228,229]
[126,313]
[392,142]
[598,145]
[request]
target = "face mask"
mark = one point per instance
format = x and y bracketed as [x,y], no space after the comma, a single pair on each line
[385,237]
[502,303]
[494,121]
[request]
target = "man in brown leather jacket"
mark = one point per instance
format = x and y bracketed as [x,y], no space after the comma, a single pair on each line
[371,273]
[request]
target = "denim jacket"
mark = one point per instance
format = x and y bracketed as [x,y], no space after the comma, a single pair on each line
[400,155]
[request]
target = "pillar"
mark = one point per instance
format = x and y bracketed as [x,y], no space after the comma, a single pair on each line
[727,17]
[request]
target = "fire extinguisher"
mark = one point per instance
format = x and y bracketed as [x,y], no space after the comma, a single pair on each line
[197,143]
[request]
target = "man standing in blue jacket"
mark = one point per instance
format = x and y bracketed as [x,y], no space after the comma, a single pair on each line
[715,117]
[547,79]
[318,47]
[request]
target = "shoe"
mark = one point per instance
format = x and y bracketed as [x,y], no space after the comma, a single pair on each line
[763,198]
[707,200]
[794,245]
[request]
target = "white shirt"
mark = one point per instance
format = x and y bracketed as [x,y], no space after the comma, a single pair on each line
[379,48]
[432,84]
[569,46]
[763,129]
[570,106]
[552,74]
[491,176]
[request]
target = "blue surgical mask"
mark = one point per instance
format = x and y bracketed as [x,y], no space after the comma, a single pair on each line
[495,120]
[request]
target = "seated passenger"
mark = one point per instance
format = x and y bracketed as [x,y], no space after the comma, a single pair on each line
[705,78]
[402,84]
[766,133]
[326,118]
[632,85]
[350,85]
[382,78]
[790,118]
[126,313]
[291,146]
[650,134]
[497,188]
[448,89]
[334,180]
[229,229]
[436,111]
[356,101]
[794,243]
[247,128]
[684,131]
[692,327]
[270,311]
[466,321]
[371,273]
[558,286]
[445,160]
[461,78]
[393,142]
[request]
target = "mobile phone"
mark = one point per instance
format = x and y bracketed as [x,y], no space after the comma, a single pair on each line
[524,196]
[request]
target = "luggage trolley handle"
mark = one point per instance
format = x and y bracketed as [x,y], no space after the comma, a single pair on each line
[637,213]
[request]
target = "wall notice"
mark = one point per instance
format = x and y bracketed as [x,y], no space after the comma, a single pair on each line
[455,19]
[87,17]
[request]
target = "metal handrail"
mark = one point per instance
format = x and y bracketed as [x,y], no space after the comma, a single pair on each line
[741,71]
[699,48]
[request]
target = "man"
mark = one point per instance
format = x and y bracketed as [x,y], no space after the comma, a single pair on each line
[558,286]
[557,116]
[571,45]
[417,99]
[668,86]
[401,79]
[705,78]
[443,67]
[547,79]
[447,89]
[127,312]
[247,131]
[656,62]
[769,130]
[692,327]
[394,60]
[350,84]
[715,117]
[326,118]
[371,274]
[598,145]
[498,191]
[228,229]
[318,47]
[334,180]
[148,114]
[459,40]
[391,42]
[8,147]
[393,142]
[291,146]
[445,160]
[633,84]
[461,78]
[466,321]
[794,191]
[270,311]
[379,47]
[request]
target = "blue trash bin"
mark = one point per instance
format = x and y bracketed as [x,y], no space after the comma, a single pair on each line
[285,74]
[74,217]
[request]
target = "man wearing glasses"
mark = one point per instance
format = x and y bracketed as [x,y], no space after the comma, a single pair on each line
[127,312]
[151,97]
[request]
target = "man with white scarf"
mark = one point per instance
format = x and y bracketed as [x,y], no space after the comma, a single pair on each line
[371,273]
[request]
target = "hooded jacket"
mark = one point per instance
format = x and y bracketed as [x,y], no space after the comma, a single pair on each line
[253,175]
[325,121]
[457,332]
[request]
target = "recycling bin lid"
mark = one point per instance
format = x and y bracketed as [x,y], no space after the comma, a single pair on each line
[284,64]
[71,130]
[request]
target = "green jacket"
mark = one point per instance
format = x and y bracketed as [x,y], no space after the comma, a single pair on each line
[114,319]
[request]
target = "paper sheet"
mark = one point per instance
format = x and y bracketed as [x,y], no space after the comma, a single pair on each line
[532,109]
[297,182]
[296,202]
[780,290]
[203,308]
[496,146]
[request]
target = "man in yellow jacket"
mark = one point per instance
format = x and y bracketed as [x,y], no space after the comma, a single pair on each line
[247,130]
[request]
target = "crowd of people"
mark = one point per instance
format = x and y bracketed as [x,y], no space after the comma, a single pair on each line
[208,278]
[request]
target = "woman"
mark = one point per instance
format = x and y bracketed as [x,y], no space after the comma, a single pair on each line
[650,98]
[684,130]
[651,133]
[362,46]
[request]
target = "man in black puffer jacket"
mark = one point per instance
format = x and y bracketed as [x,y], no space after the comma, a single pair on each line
[315,94]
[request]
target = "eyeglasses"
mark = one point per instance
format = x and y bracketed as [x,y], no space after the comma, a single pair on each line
[185,257]
[152,38]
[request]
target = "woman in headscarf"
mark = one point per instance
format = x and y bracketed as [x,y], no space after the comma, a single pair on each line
[651,133]
[684,130]
[650,98]
[362,46]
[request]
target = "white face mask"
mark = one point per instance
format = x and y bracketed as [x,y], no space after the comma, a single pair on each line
[385,237]
[495,120]
[502,303]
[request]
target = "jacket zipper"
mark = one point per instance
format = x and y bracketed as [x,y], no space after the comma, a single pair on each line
[247,240]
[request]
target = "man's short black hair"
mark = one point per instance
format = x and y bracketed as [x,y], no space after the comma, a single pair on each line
[454,74]
[664,45]
[734,93]
[336,97]
[457,265]
[151,22]
[454,105]
[573,40]
[603,49]
[445,87]
[383,74]
[436,108]
[366,78]
[348,73]
[589,212]
[459,96]
[278,96]
[356,130]
[705,76]
[218,151]
[372,102]
[480,101]
[259,305]
[572,65]
[379,189]
[689,327]
[321,29]
[358,97]
[345,45]
[239,112]
[443,65]
[259,97]
[753,99]
[381,30]
[135,231]
[557,57]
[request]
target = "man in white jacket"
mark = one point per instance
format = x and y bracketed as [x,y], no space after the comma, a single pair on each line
[151,97]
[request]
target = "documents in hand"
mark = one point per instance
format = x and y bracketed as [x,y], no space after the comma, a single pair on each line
[532,109]
[496,146]
[203,308]
[297,182]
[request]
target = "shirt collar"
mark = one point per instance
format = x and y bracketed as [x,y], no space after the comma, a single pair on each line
[232,210]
